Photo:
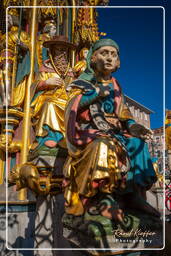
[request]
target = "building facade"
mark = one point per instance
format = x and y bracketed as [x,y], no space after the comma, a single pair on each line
[139,112]
[141,115]
[156,147]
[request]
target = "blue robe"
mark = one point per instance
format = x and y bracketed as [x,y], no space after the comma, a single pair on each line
[141,172]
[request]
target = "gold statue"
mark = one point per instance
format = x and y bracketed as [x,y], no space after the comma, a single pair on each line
[49,97]
[8,60]
[49,30]
[13,58]
[86,28]
[81,64]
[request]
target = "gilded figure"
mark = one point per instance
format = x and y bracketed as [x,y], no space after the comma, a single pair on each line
[48,30]
[80,66]
[49,96]
[10,58]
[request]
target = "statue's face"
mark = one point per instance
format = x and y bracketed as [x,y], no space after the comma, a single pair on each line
[52,30]
[106,59]
[85,52]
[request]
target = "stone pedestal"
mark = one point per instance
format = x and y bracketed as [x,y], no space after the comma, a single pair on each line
[48,227]
[20,229]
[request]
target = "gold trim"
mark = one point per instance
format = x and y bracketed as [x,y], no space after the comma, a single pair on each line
[10,121]
[73,19]
[27,116]
[72,58]
[91,15]
[5,50]
[8,58]
[8,130]
[14,72]
[15,112]
[2,163]
[73,31]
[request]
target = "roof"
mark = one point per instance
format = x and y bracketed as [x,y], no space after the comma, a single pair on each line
[158,130]
[134,102]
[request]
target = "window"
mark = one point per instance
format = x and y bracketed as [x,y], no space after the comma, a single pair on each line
[145,116]
[135,113]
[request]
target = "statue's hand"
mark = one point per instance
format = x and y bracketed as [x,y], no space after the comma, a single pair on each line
[102,90]
[140,131]
[54,82]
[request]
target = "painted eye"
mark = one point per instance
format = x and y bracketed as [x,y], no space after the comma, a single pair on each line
[103,53]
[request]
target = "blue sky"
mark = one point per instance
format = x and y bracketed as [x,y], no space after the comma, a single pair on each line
[139,33]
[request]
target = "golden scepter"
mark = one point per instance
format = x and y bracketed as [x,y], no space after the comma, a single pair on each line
[73,32]
[26,119]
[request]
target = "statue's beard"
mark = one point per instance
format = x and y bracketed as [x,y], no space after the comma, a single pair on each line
[61,63]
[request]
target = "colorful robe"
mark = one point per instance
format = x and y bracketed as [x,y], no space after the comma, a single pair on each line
[48,107]
[103,156]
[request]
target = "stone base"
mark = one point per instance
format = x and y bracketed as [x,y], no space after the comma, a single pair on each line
[138,231]
[48,227]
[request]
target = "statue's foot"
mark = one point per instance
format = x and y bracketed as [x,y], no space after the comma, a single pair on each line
[50,143]
[113,214]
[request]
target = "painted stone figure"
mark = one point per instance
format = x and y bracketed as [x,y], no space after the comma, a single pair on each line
[49,95]
[8,61]
[107,150]
[109,168]
[48,31]
[14,69]
[80,66]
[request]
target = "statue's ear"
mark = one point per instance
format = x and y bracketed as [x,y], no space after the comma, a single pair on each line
[118,63]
